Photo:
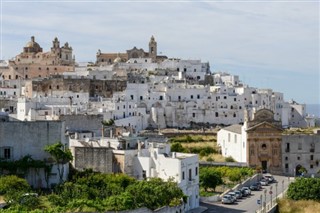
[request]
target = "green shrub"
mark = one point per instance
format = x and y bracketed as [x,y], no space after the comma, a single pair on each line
[304,189]
[230,159]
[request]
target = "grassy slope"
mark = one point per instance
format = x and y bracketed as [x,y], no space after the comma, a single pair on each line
[301,206]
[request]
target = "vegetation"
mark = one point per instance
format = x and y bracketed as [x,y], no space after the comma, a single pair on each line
[60,155]
[210,178]
[89,191]
[108,122]
[304,189]
[22,166]
[213,177]
[230,159]
[205,146]
[292,131]
[301,206]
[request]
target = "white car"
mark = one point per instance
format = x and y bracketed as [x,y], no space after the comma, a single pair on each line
[227,199]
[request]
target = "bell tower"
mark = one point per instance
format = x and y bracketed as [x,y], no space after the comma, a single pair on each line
[152,49]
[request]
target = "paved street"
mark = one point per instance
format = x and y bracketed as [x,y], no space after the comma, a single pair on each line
[250,204]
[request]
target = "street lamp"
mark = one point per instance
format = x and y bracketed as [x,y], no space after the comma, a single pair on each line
[271,195]
[282,188]
[265,200]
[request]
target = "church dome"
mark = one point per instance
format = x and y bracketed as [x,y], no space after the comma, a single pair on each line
[32,43]
[117,59]
[32,46]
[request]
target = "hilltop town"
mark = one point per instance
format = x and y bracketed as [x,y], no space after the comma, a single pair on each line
[113,114]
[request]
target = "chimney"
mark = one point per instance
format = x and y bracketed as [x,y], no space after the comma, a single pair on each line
[174,155]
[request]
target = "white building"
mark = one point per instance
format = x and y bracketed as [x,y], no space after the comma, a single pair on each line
[19,139]
[232,141]
[156,160]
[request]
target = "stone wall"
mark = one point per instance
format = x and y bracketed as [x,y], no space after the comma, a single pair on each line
[97,158]
[83,122]
[8,105]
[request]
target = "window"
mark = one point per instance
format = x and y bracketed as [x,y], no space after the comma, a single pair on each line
[235,138]
[198,96]
[217,114]
[193,115]
[182,175]
[179,97]
[311,157]
[225,97]
[235,99]
[131,97]
[286,166]
[311,166]
[264,146]
[191,96]
[9,76]
[144,174]
[161,97]
[141,98]
[251,150]
[6,152]
[196,171]
[57,86]
[185,69]
[299,146]
[286,158]
[298,157]
[190,175]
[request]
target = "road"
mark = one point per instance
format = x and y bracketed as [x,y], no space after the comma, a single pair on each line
[250,204]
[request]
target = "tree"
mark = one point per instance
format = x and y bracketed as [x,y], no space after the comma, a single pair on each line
[210,178]
[107,122]
[177,147]
[234,175]
[304,189]
[60,155]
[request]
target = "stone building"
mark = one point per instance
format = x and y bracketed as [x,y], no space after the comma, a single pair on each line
[135,53]
[257,142]
[263,135]
[301,153]
[32,62]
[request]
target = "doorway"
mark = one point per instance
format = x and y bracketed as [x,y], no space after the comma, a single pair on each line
[264,165]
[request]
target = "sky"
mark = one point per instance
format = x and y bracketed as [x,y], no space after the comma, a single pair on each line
[268,44]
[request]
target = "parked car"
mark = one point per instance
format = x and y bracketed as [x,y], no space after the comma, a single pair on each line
[244,192]
[233,195]
[227,199]
[254,187]
[238,193]
[247,190]
[270,178]
[264,182]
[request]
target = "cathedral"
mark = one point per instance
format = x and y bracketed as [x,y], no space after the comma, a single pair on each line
[32,62]
[111,58]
